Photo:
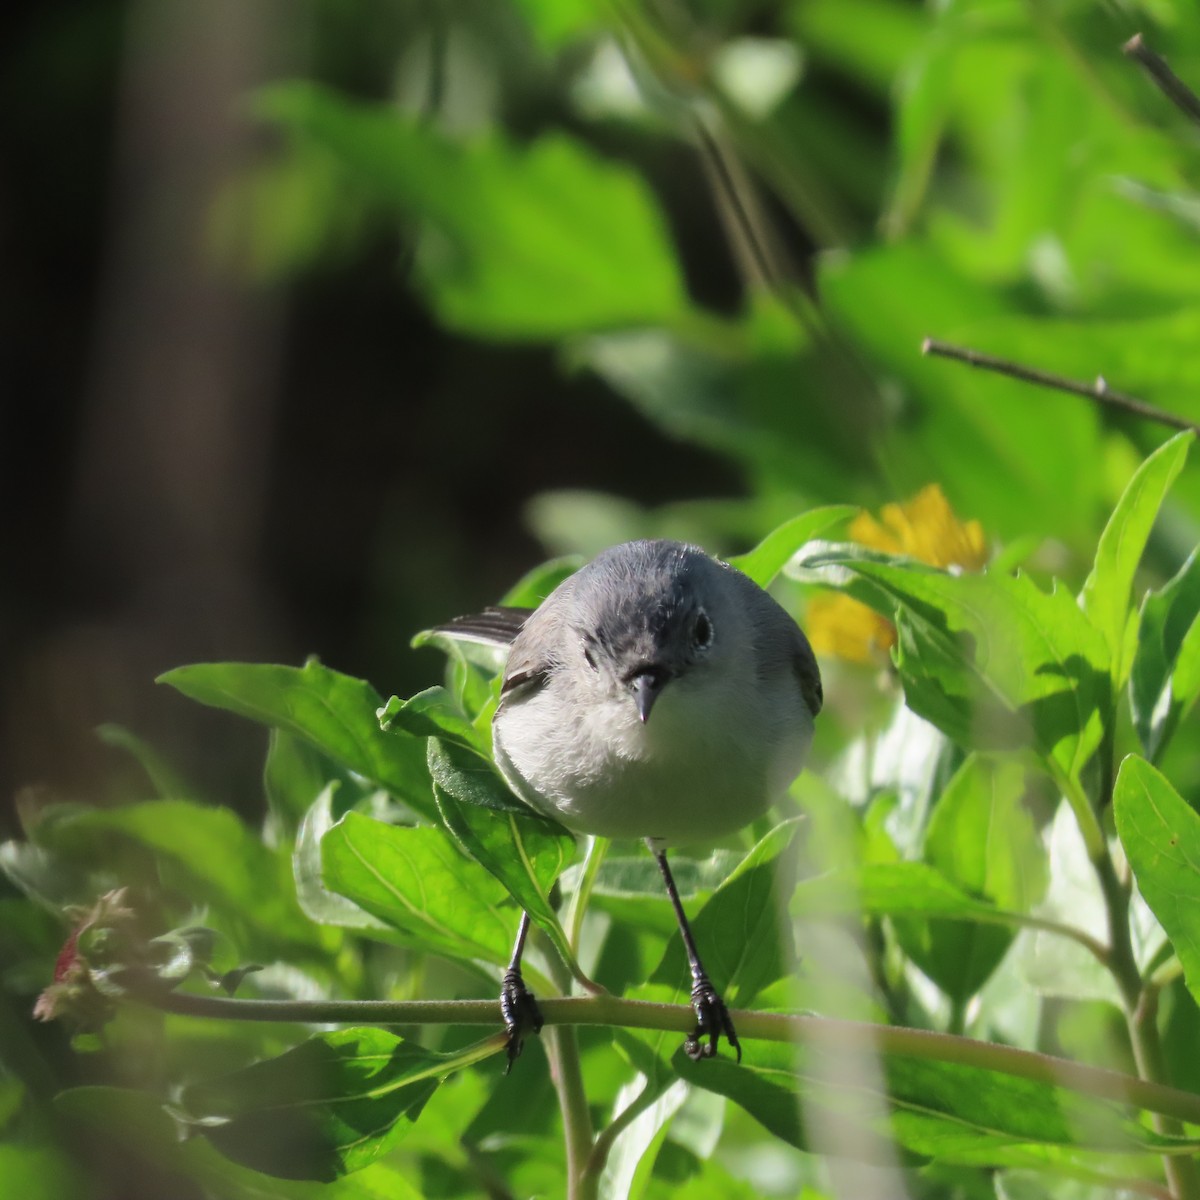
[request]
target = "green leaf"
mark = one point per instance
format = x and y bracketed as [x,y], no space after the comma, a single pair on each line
[1106,590]
[536,241]
[743,940]
[41,1173]
[327,1107]
[1010,456]
[981,839]
[768,558]
[535,585]
[1165,679]
[168,783]
[630,890]
[136,1131]
[295,774]
[418,882]
[740,402]
[990,660]
[948,1112]
[562,22]
[628,1169]
[206,855]
[318,902]
[46,878]
[430,714]
[334,712]
[1160,832]
[524,851]
[472,780]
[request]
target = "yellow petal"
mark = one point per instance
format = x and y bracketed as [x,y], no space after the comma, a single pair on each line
[925,528]
[841,627]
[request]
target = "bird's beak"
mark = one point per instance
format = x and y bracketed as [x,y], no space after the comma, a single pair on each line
[647,683]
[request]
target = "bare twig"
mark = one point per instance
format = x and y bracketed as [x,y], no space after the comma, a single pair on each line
[1099,391]
[1164,78]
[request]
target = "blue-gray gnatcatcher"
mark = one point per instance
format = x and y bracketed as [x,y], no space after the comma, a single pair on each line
[657,693]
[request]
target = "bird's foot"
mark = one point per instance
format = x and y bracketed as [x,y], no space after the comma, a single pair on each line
[521,1014]
[712,1020]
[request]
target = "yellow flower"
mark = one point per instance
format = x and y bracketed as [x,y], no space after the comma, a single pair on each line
[841,627]
[924,528]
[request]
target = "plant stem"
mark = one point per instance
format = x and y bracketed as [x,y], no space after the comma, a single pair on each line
[1183,1178]
[562,1047]
[775,1027]
[1121,960]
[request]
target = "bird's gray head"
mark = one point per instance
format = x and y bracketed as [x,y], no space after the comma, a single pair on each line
[649,613]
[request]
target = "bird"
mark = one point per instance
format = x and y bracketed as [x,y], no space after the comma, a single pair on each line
[658,693]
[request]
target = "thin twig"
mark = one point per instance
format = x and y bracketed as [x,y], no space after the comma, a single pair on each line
[1164,78]
[1099,391]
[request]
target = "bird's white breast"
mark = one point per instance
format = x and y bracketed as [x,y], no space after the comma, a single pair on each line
[701,767]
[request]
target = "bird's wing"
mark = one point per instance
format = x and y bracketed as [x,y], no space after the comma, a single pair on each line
[804,663]
[493,626]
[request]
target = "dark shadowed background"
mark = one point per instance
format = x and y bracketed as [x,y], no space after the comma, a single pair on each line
[200,467]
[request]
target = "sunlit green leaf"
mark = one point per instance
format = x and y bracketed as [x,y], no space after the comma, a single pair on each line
[537,241]
[318,902]
[767,559]
[295,774]
[1161,835]
[429,714]
[536,584]
[628,1170]
[1165,678]
[417,882]
[523,850]
[869,40]
[561,22]
[40,1172]
[980,838]
[1106,590]
[991,660]
[335,712]
[1008,455]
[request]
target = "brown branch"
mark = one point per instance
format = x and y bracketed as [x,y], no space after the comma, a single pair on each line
[1099,391]
[1164,78]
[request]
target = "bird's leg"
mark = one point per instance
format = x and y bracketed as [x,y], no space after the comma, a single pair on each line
[517,1005]
[712,1017]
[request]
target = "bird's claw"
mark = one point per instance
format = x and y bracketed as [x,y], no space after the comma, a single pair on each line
[521,1014]
[712,1020]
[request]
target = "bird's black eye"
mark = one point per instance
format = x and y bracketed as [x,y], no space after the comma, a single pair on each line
[702,631]
[587,654]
